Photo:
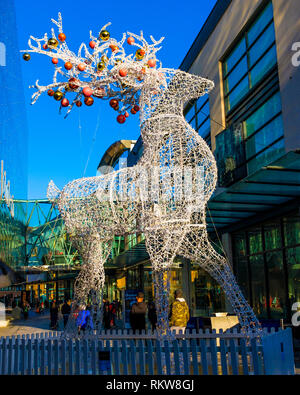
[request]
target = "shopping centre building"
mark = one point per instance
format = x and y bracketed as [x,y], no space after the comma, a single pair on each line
[250,121]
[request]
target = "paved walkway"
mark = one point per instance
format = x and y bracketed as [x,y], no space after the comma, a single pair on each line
[36,323]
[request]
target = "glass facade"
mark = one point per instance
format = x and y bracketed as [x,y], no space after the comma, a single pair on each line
[198,116]
[13,126]
[251,59]
[267,265]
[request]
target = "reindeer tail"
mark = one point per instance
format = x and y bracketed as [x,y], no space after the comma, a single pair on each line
[53,192]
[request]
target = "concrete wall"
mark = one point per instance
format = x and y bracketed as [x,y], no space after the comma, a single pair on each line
[287,30]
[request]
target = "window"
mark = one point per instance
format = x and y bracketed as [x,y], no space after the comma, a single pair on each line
[251,59]
[263,133]
[198,116]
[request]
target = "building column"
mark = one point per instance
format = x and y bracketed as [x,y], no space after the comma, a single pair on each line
[227,246]
[186,278]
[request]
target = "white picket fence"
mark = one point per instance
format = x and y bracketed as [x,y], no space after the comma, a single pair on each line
[202,352]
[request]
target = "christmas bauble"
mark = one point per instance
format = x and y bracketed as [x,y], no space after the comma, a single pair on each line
[126,114]
[114,48]
[78,103]
[113,103]
[54,60]
[45,46]
[87,91]
[133,111]
[140,53]
[52,43]
[136,108]
[81,67]
[68,65]
[61,37]
[101,66]
[104,35]
[130,40]
[26,56]
[92,44]
[58,95]
[64,102]
[88,101]
[73,83]
[104,59]
[50,92]
[121,118]
[151,62]
[123,72]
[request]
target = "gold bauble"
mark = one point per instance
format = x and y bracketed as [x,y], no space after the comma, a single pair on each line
[140,53]
[26,56]
[104,35]
[104,59]
[52,43]
[58,95]
[101,66]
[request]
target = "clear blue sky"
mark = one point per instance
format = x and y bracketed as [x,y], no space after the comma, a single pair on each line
[58,148]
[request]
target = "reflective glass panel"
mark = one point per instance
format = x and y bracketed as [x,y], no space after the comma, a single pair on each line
[263,66]
[262,44]
[291,230]
[255,241]
[203,114]
[189,115]
[267,156]
[205,128]
[242,275]
[272,236]
[261,22]
[236,75]
[262,115]
[237,94]
[277,300]
[264,137]
[235,55]
[293,261]
[258,286]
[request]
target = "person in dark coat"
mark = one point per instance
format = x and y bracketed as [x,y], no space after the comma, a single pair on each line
[65,310]
[152,316]
[53,315]
[138,313]
[107,317]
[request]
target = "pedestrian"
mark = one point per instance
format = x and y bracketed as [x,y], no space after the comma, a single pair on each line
[107,317]
[84,319]
[179,313]
[26,308]
[138,313]
[65,311]
[53,315]
[152,316]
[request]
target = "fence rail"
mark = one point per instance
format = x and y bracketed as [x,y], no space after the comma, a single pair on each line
[193,353]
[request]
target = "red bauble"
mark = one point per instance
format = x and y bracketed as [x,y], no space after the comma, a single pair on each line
[151,62]
[54,60]
[73,83]
[61,37]
[123,72]
[68,65]
[133,111]
[114,48]
[45,46]
[64,102]
[88,101]
[113,103]
[50,92]
[130,40]
[92,44]
[126,114]
[136,108]
[87,91]
[121,118]
[78,103]
[81,67]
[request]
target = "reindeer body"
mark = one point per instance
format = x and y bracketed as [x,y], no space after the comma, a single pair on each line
[164,196]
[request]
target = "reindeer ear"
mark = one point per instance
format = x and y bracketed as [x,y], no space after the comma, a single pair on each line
[52,192]
[189,86]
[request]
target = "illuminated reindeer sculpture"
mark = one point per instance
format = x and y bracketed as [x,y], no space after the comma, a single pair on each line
[164,196]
